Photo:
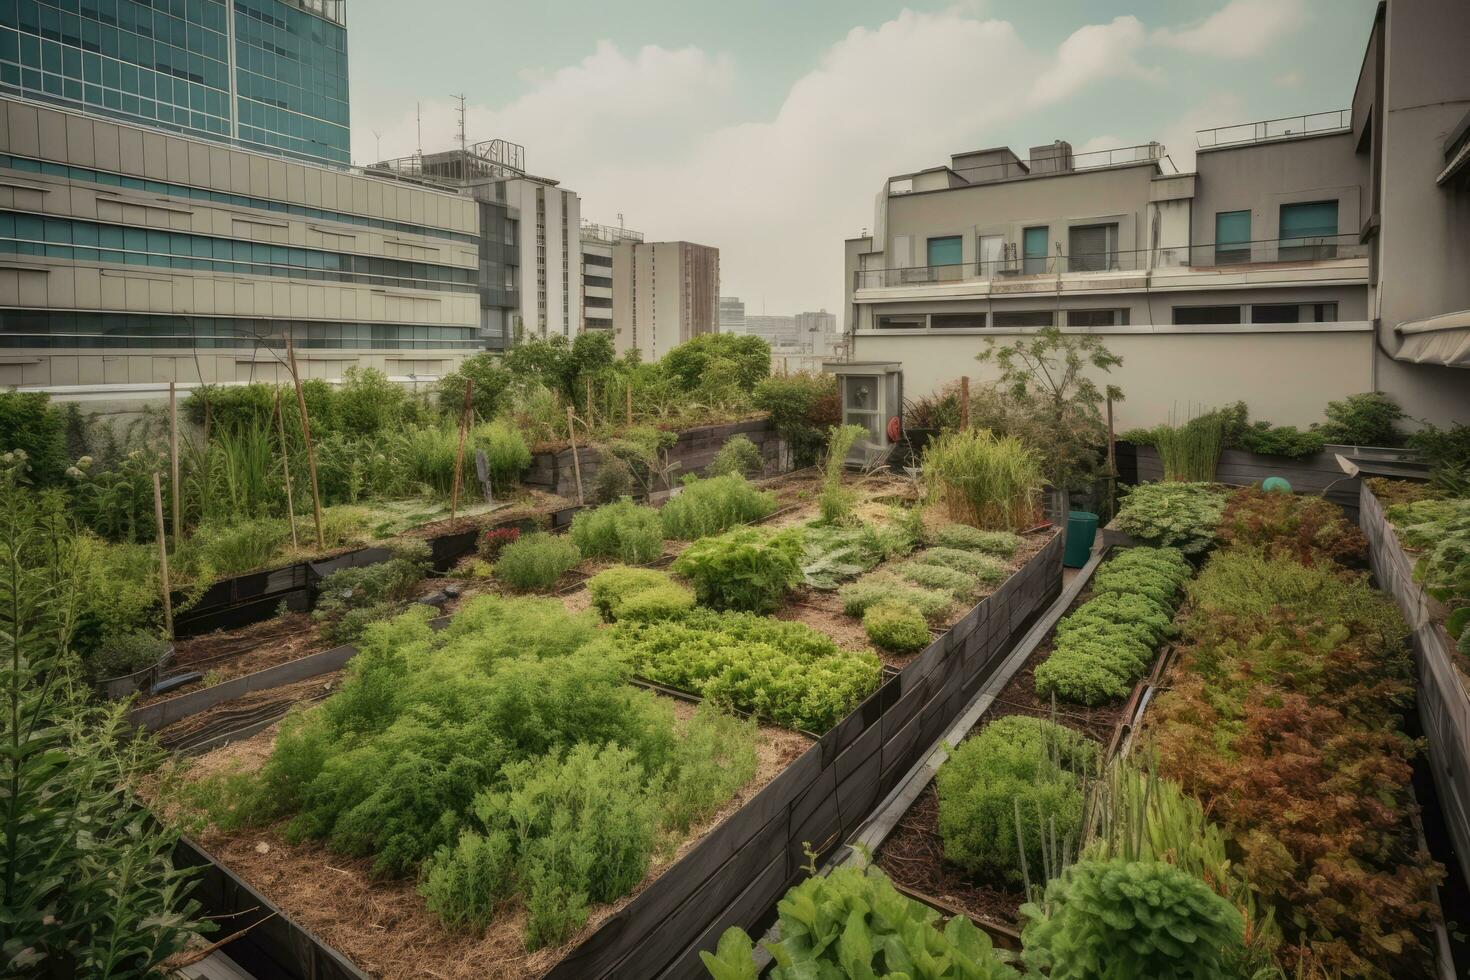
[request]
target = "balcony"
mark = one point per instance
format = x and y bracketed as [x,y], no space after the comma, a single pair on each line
[1269,130]
[1121,269]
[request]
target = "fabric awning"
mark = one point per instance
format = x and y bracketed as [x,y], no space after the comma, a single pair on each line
[1443,339]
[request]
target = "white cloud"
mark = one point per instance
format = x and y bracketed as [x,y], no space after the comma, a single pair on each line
[1090,54]
[1179,136]
[1240,29]
[1290,79]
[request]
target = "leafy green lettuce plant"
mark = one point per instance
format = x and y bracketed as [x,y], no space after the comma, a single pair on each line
[744,569]
[1173,515]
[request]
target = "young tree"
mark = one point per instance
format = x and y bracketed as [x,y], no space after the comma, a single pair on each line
[1046,376]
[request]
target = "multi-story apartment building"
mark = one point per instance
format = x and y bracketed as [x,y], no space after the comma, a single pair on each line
[268,75]
[664,294]
[531,282]
[778,330]
[732,315]
[131,257]
[817,332]
[1287,270]
[598,286]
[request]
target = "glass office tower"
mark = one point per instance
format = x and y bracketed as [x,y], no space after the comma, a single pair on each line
[267,75]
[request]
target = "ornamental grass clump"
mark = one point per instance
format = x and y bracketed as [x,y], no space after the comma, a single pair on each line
[984,480]
[1013,764]
[709,506]
[1173,515]
[1189,452]
[1102,648]
[784,671]
[836,501]
[625,531]
[745,569]
[641,594]
[535,562]
[896,627]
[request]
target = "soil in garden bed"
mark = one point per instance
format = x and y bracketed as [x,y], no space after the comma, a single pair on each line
[913,853]
[384,926]
[274,702]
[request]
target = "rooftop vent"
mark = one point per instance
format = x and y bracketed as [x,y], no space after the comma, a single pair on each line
[1054,158]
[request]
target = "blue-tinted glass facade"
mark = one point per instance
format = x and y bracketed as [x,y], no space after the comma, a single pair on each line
[167,64]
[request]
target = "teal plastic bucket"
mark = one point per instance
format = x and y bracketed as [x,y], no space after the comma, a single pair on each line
[1081,532]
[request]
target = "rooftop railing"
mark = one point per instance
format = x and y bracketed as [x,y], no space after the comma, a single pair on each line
[1277,251]
[1060,164]
[1265,130]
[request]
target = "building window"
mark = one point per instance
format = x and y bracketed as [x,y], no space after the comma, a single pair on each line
[1097,318]
[1192,315]
[1232,237]
[906,322]
[1294,313]
[945,251]
[1035,249]
[957,321]
[1022,318]
[1092,248]
[1308,231]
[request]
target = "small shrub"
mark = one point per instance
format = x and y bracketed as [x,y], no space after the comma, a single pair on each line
[802,408]
[125,654]
[1130,919]
[1001,543]
[536,561]
[980,567]
[613,480]
[641,594]
[738,456]
[858,596]
[1279,440]
[1173,515]
[630,533]
[744,569]
[1367,419]
[506,453]
[1016,761]
[896,627]
[938,578]
[493,540]
[707,507]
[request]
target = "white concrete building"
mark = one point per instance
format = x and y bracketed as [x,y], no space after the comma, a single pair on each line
[664,294]
[598,285]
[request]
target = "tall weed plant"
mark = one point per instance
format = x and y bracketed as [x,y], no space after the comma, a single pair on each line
[983,480]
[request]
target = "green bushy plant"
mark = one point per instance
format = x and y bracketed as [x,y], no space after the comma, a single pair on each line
[367,402]
[125,653]
[854,923]
[984,480]
[744,569]
[784,671]
[749,357]
[737,456]
[1310,529]
[896,627]
[978,566]
[1123,918]
[1279,440]
[28,423]
[832,554]
[536,561]
[802,407]
[1173,515]
[506,454]
[875,587]
[612,481]
[939,578]
[1014,763]
[624,530]
[641,594]
[1002,544]
[491,382]
[836,501]
[1189,451]
[1440,531]
[1367,419]
[218,550]
[710,506]
[351,598]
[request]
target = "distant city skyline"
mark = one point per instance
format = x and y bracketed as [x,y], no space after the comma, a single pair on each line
[709,126]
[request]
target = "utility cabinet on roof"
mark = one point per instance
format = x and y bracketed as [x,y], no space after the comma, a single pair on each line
[871,395]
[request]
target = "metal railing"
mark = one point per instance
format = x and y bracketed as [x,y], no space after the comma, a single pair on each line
[1209,255]
[1063,163]
[1265,130]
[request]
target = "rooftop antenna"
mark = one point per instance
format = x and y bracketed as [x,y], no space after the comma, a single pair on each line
[462,141]
[378,145]
[418,117]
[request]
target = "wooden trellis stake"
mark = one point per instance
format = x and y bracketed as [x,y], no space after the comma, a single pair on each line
[168,608]
[576,463]
[316,497]
[173,454]
[965,402]
[464,424]
[285,466]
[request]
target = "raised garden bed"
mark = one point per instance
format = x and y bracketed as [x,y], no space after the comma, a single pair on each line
[729,871]
[1442,687]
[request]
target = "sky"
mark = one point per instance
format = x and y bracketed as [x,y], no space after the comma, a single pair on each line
[767,127]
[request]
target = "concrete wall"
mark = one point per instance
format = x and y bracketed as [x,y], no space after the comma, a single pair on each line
[1286,376]
[1262,177]
[1004,208]
[1424,238]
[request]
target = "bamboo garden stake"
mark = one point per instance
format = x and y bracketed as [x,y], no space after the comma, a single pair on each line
[464,421]
[316,497]
[965,402]
[576,463]
[630,402]
[286,466]
[173,454]
[168,608]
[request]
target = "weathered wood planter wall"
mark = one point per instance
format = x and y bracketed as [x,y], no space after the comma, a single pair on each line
[1310,474]
[737,874]
[1444,700]
[554,472]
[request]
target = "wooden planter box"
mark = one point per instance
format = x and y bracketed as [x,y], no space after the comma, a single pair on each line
[1308,475]
[1440,686]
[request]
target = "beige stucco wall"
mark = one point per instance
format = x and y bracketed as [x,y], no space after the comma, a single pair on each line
[1286,377]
